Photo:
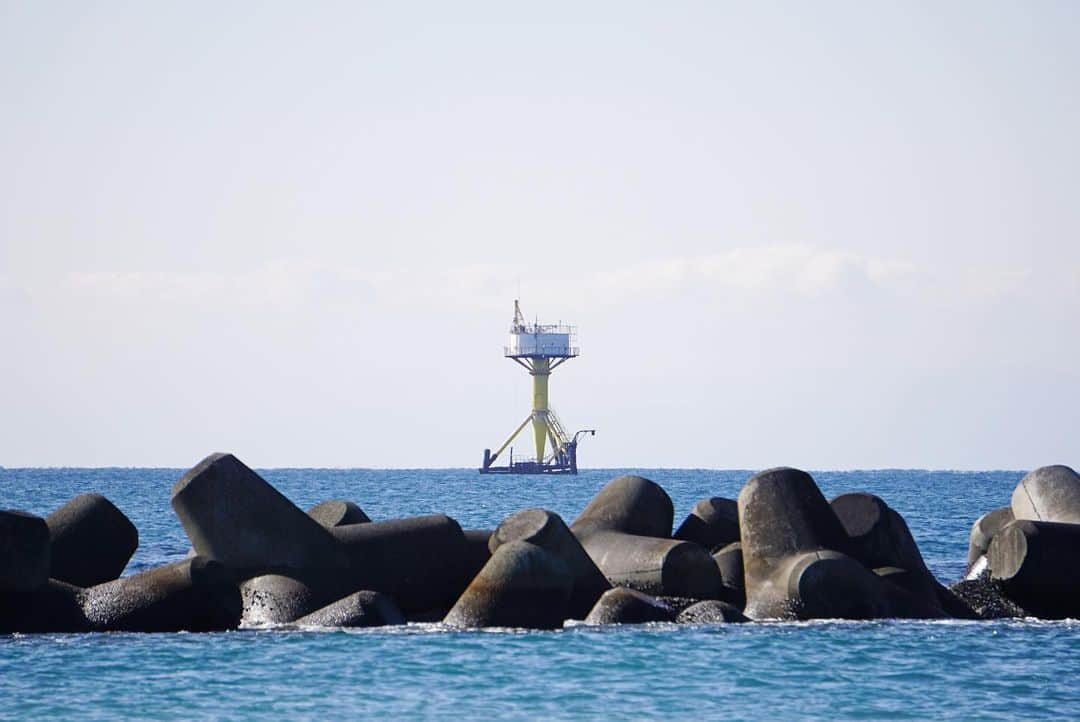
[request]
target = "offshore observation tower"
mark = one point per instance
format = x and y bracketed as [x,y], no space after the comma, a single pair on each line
[539,349]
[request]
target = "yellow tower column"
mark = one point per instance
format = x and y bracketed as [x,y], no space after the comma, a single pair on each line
[541,371]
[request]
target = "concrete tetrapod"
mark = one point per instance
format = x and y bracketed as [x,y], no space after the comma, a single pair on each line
[712,523]
[547,530]
[909,596]
[729,561]
[1049,493]
[711,611]
[662,567]
[359,609]
[281,598]
[24,551]
[233,516]
[924,594]
[478,549]
[629,504]
[827,584]
[626,530]
[1038,566]
[983,530]
[337,512]
[879,537]
[628,606]
[53,607]
[92,541]
[522,585]
[423,562]
[195,595]
[782,513]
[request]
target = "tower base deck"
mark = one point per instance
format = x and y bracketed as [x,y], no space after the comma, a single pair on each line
[528,467]
[564,464]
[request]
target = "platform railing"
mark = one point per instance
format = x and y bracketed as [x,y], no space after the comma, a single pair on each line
[552,351]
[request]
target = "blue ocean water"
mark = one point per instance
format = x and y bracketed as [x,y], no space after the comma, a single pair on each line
[919,670]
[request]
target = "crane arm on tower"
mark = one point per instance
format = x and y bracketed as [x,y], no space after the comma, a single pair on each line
[518,326]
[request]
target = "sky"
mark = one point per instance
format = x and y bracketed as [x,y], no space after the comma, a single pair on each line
[828,235]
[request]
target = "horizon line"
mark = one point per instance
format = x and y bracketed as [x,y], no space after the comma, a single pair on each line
[474,469]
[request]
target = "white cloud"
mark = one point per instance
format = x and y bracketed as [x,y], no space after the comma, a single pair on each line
[747,272]
[276,284]
[792,268]
[788,267]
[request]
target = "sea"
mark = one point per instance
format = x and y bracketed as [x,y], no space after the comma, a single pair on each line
[1012,669]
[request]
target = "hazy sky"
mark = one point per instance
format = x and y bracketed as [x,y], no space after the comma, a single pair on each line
[830,235]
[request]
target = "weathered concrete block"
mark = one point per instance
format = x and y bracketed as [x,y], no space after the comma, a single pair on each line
[782,514]
[914,583]
[233,516]
[24,551]
[677,604]
[824,584]
[879,538]
[280,598]
[360,609]
[337,512]
[91,540]
[629,504]
[477,545]
[712,523]
[1049,493]
[547,530]
[628,606]
[984,529]
[522,585]
[654,566]
[729,560]
[424,563]
[54,607]
[828,584]
[711,611]
[1038,565]
[879,535]
[195,595]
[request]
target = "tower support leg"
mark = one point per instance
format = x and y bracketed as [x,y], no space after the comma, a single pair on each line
[511,438]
